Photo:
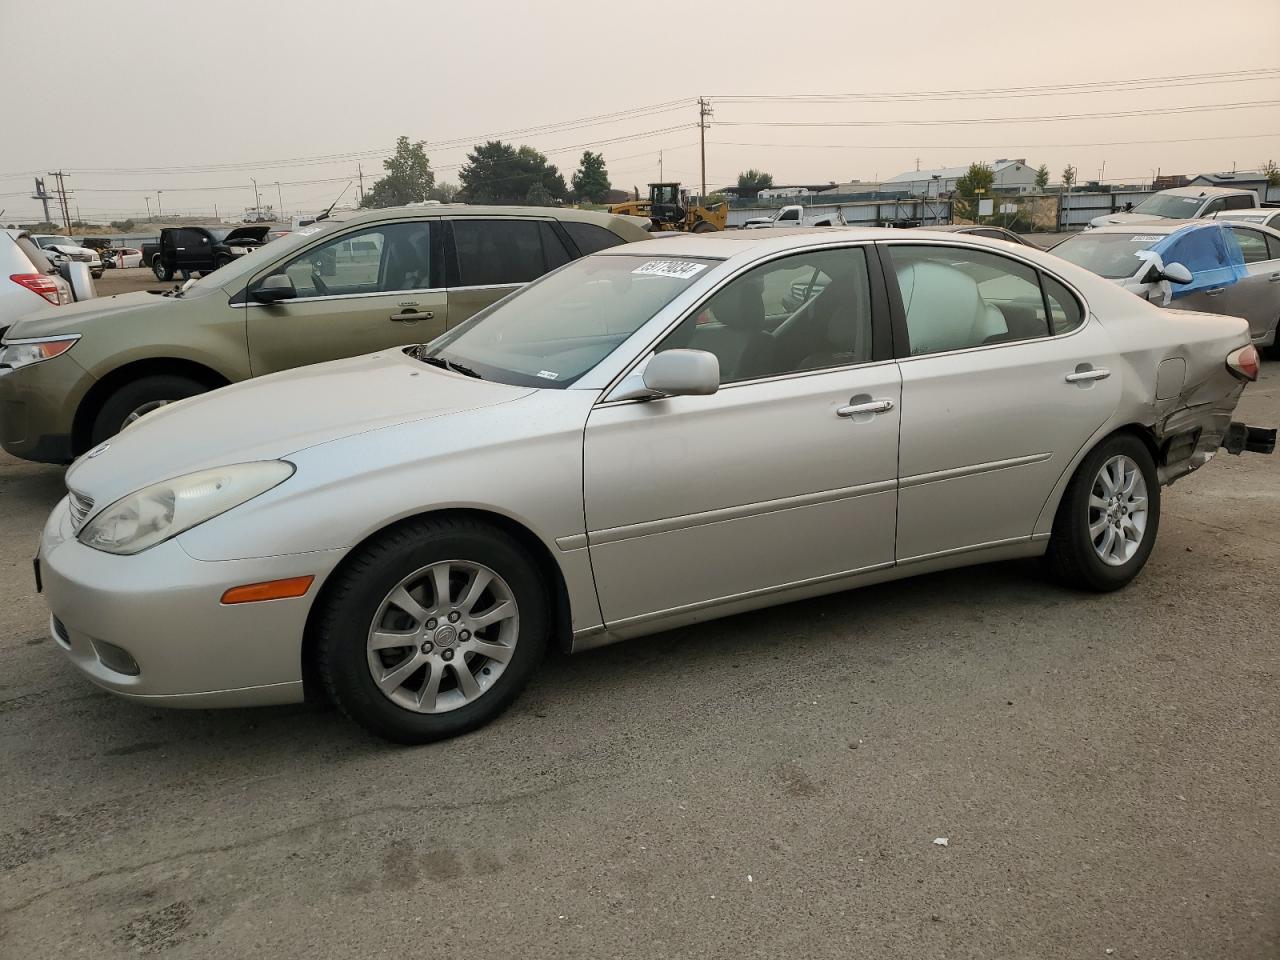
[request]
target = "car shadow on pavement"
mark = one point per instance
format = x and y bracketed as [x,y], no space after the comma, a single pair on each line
[853,633]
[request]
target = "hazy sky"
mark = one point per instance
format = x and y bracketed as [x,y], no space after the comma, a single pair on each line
[103,89]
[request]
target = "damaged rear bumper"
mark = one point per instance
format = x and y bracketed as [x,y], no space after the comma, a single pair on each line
[1242,438]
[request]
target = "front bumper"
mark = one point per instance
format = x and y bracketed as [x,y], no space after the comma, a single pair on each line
[162,607]
[37,408]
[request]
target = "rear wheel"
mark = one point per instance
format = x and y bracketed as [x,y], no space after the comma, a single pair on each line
[160,270]
[1107,521]
[432,630]
[139,398]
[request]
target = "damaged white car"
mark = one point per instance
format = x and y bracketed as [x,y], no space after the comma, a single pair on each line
[654,435]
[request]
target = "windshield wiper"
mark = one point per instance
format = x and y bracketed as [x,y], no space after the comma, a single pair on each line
[444,364]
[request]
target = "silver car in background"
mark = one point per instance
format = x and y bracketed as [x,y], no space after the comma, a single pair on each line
[1114,253]
[651,436]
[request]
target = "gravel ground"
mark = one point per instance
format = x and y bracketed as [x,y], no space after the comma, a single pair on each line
[1105,769]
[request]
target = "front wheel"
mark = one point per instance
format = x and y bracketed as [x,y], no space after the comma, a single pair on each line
[704,226]
[432,630]
[1107,522]
[139,398]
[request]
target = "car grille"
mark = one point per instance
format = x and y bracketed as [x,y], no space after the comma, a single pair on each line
[80,507]
[82,257]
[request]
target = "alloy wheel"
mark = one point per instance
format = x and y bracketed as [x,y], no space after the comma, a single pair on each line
[142,410]
[1118,510]
[443,636]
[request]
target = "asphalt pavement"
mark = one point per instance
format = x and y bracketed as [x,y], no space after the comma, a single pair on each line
[1105,771]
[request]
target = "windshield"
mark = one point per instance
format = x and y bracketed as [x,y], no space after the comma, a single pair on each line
[553,331]
[1170,206]
[1110,255]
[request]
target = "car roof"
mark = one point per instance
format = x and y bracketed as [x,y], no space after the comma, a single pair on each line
[1205,191]
[729,243]
[1246,212]
[598,217]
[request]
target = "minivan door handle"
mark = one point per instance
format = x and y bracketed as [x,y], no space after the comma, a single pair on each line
[412,316]
[1214,292]
[871,406]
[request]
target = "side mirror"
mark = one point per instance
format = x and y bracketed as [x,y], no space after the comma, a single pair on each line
[1176,273]
[274,288]
[678,373]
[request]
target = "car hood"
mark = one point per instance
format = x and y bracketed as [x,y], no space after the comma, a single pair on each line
[1126,218]
[271,417]
[246,235]
[73,317]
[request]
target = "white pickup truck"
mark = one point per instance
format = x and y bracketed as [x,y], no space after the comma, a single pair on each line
[792,215]
[1182,203]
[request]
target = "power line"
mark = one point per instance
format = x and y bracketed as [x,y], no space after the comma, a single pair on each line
[1054,89]
[1005,145]
[1049,118]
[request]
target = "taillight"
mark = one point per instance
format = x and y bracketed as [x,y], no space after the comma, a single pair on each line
[38,283]
[1244,363]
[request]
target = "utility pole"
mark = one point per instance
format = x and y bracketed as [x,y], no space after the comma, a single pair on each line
[704,113]
[660,178]
[60,176]
[148,199]
[360,174]
[159,205]
[280,198]
[257,201]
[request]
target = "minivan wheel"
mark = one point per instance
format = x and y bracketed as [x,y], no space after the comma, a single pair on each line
[432,630]
[1109,516]
[160,270]
[139,398]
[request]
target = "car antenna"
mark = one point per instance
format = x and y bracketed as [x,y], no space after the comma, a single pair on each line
[325,215]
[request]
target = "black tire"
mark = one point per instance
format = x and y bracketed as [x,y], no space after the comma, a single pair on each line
[160,270]
[703,226]
[354,596]
[221,262]
[1071,556]
[159,387]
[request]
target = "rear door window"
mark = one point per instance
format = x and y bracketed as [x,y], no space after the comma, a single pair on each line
[956,298]
[501,252]
[1239,203]
[1252,244]
[589,237]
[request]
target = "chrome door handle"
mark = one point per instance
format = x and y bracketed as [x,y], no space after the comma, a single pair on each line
[1080,376]
[874,406]
[1274,278]
[1214,292]
[412,316]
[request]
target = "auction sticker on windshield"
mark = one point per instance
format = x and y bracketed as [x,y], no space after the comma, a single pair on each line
[679,269]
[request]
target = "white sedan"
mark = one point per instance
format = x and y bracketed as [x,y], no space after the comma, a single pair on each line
[658,434]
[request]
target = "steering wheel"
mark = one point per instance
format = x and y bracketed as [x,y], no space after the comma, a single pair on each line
[318,282]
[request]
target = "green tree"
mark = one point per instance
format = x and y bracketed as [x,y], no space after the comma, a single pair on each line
[409,177]
[497,172]
[124,226]
[973,186]
[591,181]
[1042,176]
[1069,177]
[444,191]
[1272,172]
[754,179]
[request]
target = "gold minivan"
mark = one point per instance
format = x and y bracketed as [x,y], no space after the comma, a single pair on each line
[350,284]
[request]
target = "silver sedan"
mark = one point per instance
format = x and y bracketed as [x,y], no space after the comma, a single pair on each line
[652,436]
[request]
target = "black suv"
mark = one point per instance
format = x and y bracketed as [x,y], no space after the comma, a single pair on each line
[192,250]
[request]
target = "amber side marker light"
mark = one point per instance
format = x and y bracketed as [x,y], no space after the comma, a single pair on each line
[270,590]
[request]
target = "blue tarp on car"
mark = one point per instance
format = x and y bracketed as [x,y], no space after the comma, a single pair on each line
[1209,250]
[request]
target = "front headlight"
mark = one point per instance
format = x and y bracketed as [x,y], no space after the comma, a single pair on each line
[26,352]
[163,510]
